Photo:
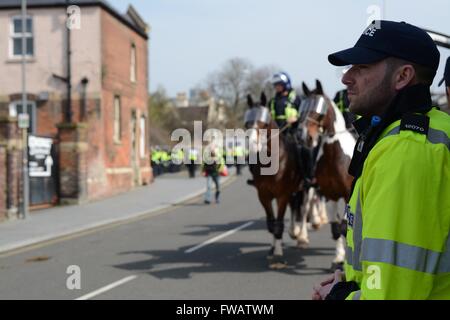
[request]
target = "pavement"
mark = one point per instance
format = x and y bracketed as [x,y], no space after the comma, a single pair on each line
[48,224]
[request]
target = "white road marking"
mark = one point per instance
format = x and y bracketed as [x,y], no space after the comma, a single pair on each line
[226,234]
[106,288]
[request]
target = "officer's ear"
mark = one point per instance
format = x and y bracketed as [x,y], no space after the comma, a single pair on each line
[319,88]
[263,99]
[250,101]
[306,89]
[404,76]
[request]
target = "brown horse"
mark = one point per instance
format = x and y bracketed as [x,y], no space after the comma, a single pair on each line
[284,184]
[324,127]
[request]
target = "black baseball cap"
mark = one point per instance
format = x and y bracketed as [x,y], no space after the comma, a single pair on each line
[383,39]
[446,74]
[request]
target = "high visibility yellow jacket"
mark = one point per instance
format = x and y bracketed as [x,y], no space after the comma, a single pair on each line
[238,152]
[290,111]
[193,154]
[398,244]
[156,156]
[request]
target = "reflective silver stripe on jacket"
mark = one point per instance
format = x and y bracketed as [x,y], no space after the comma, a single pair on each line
[444,261]
[403,255]
[357,295]
[434,136]
[353,256]
[357,235]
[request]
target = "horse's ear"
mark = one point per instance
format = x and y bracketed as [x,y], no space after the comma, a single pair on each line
[250,101]
[319,87]
[263,99]
[306,89]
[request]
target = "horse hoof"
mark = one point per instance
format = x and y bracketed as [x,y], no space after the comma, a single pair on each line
[278,263]
[302,243]
[316,227]
[294,233]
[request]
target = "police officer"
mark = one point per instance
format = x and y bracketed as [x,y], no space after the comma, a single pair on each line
[446,79]
[192,162]
[284,106]
[156,161]
[239,157]
[398,244]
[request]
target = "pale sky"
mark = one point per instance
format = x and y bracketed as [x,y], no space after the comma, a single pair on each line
[191,38]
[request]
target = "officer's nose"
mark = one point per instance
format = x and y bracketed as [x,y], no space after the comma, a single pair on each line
[348,78]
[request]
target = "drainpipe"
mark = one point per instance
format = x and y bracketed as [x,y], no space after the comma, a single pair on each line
[83,111]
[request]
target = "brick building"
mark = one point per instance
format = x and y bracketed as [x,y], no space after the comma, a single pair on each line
[103,149]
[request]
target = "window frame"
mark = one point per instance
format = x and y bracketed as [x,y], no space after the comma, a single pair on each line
[142,136]
[13,36]
[117,119]
[133,63]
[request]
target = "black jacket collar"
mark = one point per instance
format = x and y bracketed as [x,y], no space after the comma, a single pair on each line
[414,99]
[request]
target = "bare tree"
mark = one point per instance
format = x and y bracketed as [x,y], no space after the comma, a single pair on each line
[259,81]
[162,112]
[237,78]
[229,84]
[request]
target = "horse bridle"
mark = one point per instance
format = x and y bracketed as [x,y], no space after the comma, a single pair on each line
[315,104]
[261,114]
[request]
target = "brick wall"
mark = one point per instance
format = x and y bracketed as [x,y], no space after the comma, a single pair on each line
[117,40]
[2,183]
[73,146]
[10,163]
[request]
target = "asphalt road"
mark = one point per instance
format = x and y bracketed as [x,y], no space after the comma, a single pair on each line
[166,257]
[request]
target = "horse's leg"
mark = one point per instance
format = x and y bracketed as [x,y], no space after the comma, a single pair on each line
[315,202]
[333,209]
[339,257]
[278,261]
[337,212]
[266,200]
[323,211]
[279,224]
[303,239]
[295,204]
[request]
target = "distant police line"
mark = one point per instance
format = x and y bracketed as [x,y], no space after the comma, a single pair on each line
[256,141]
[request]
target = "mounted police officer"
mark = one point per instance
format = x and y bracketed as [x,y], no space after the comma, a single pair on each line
[398,244]
[284,108]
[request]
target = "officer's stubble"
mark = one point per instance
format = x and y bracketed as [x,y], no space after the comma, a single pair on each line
[374,98]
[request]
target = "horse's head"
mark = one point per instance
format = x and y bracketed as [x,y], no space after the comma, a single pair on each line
[317,115]
[259,121]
